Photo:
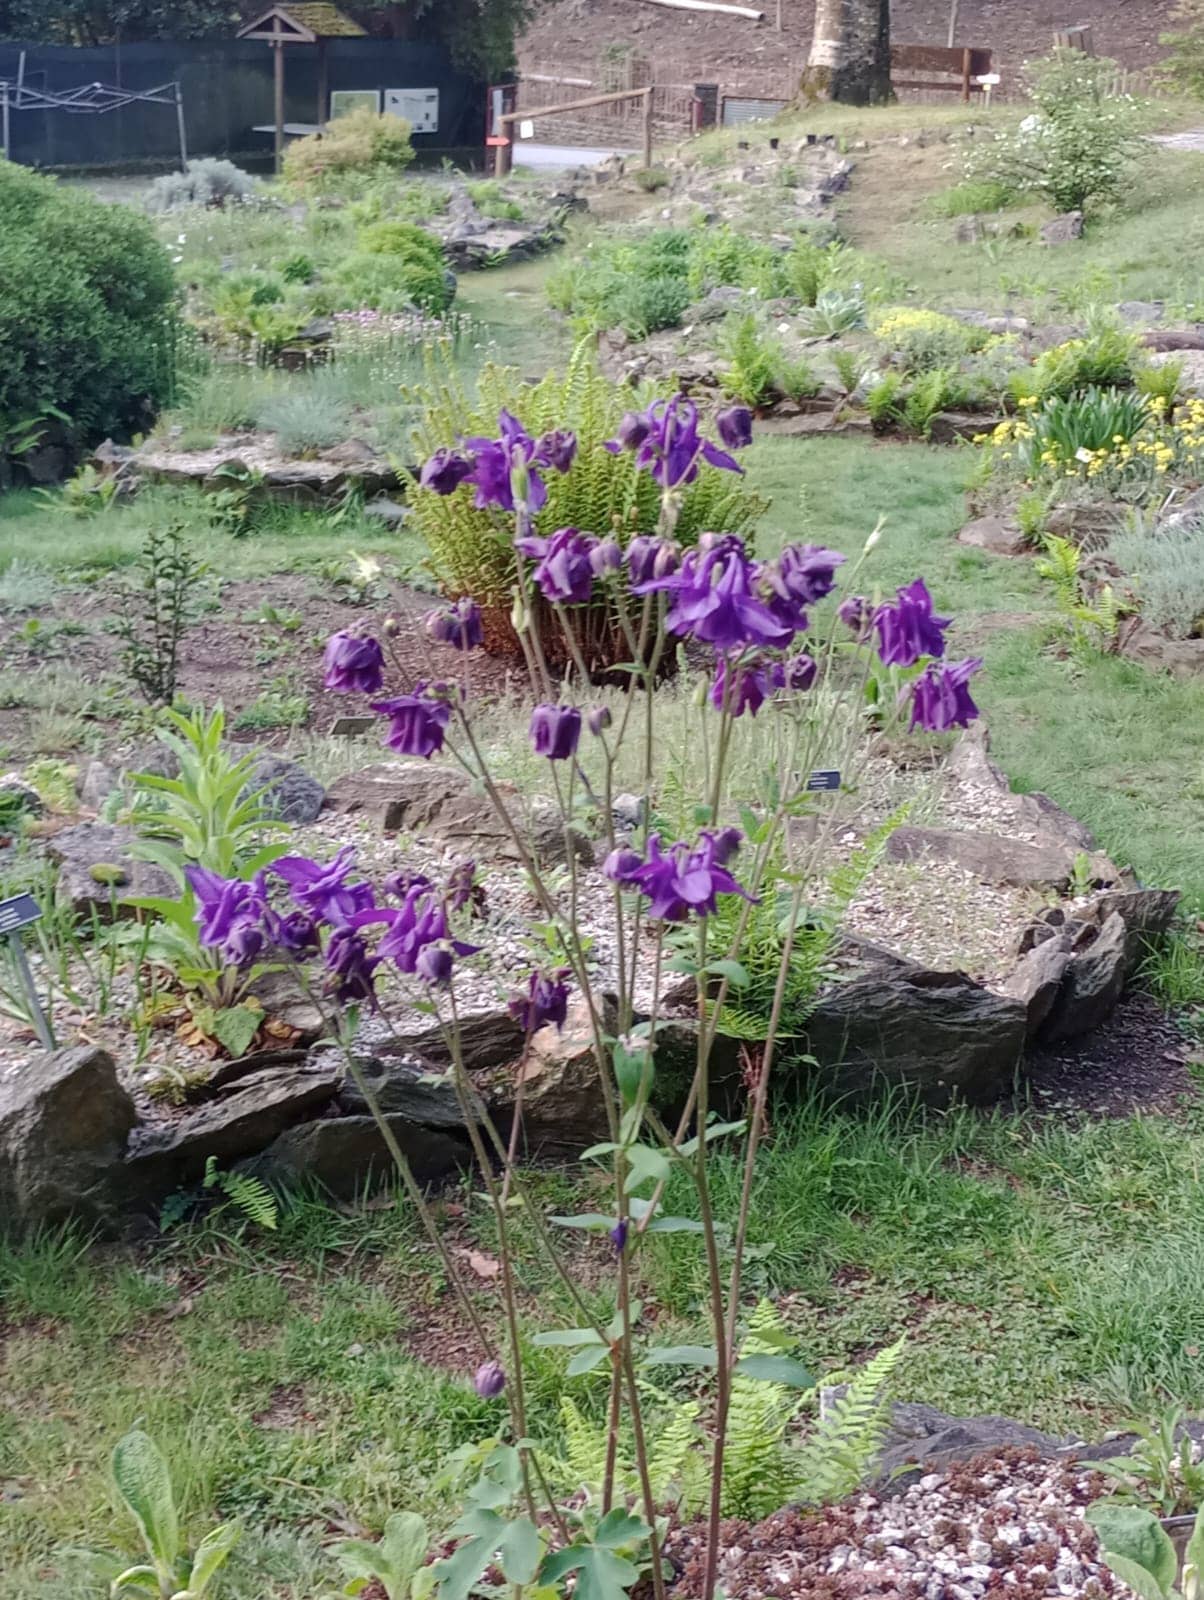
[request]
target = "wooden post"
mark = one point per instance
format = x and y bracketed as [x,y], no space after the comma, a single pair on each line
[181,128]
[648,94]
[6,127]
[278,69]
[965,77]
[323,96]
[953,9]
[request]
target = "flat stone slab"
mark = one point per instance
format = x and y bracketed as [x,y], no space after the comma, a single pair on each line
[997,535]
[98,873]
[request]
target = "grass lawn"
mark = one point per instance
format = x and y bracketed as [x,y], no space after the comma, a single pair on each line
[1052,1274]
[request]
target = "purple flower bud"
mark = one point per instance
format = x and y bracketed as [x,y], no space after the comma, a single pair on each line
[798,672]
[857,614]
[489,1380]
[735,424]
[353,664]
[633,429]
[458,625]
[621,866]
[350,968]
[434,964]
[599,720]
[294,932]
[557,449]
[606,556]
[399,884]
[555,731]
[544,1002]
[649,557]
[618,1235]
[725,845]
[445,472]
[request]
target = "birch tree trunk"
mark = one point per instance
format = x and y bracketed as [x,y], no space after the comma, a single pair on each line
[850,53]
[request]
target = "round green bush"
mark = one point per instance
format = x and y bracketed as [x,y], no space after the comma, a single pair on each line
[393,283]
[87,317]
[401,239]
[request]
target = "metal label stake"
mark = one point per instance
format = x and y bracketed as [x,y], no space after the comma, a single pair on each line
[15,914]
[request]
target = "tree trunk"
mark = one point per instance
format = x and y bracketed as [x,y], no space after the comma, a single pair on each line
[850,53]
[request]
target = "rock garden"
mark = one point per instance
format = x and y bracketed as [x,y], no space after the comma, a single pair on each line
[601,812]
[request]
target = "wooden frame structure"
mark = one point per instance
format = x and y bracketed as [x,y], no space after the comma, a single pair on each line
[963,68]
[504,142]
[306,22]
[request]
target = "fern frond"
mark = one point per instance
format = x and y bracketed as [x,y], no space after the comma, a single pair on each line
[251,1195]
[840,1453]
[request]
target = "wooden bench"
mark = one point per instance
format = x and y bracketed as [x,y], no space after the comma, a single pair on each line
[914,66]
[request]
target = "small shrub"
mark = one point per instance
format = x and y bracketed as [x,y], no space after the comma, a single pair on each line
[1105,359]
[753,357]
[1185,62]
[209,182]
[87,325]
[402,239]
[160,604]
[1163,382]
[491,201]
[650,179]
[361,142]
[835,311]
[1077,147]
[647,305]
[805,269]
[970,198]
[931,393]
[386,282]
[298,268]
[305,418]
[722,256]
[1167,566]
[924,340]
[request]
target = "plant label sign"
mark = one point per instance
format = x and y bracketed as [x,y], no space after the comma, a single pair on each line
[823,778]
[18,913]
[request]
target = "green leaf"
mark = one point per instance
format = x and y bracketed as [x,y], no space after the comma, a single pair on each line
[404,1543]
[592,1221]
[618,1528]
[775,1369]
[211,1555]
[519,1550]
[586,1360]
[601,1575]
[1136,1536]
[235,1027]
[715,1130]
[459,1573]
[645,1165]
[1142,1582]
[136,1578]
[568,1338]
[144,1483]
[675,1225]
[682,1355]
[736,974]
[614,1328]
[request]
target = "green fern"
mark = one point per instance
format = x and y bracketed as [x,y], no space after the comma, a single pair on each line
[759,1472]
[676,1464]
[250,1195]
[842,1449]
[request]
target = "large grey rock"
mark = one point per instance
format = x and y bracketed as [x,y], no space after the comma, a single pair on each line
[347,1155]
[563,1103]
[98,874]
[441,802]
[992,857]
[243,1120]
[908,1459]
[288,793]
[1147,913]
[887,1021]
[1030,813]
[64,1123]
[1093,983]
[97,781]
[405,1087]
[1037,981]
[1064,229]
[17,795]
[998,535]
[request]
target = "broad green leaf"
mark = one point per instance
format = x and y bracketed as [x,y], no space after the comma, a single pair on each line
[675,1225]
[136,1578]
[595,1150]
[735,974]
[618,1528]
[682,1355]
[776,1369]
[144,1483]
[1194,1554]
[593,1221]
[405,1544]
[1136,1536]
[586,1360]
[360,1559]
[601,1575]
[715,1130]
[569,1338]
[645,1165]
[459,1573]
[211,1555]
[519,1550]
[1142,1582]
[235,1027]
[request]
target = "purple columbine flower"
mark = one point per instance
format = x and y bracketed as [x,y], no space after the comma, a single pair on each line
[417,722]
[605,557]
[445,472]
[618,1236]
[458,624]
[908,628]
[801,575]
[633,429]
[434,964]
[399,884]
[489,1380]
[420,923]
[621,866]
[563,569]
[687,879]
[544,1002]
[735,426]
[230,914]
[555,731]
[857,614]
[353,664]
[743,688]
[940,698]
[558,449]
[714,598]
[649,558]
[350,969]
[292,932]
[797,672]
[321,889]
[599,720]
[670,446]
[462,888]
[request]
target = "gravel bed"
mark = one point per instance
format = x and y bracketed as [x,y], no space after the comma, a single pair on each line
[1006,1523]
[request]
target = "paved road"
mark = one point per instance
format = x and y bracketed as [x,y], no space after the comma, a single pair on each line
[529,154]
[1193,139]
